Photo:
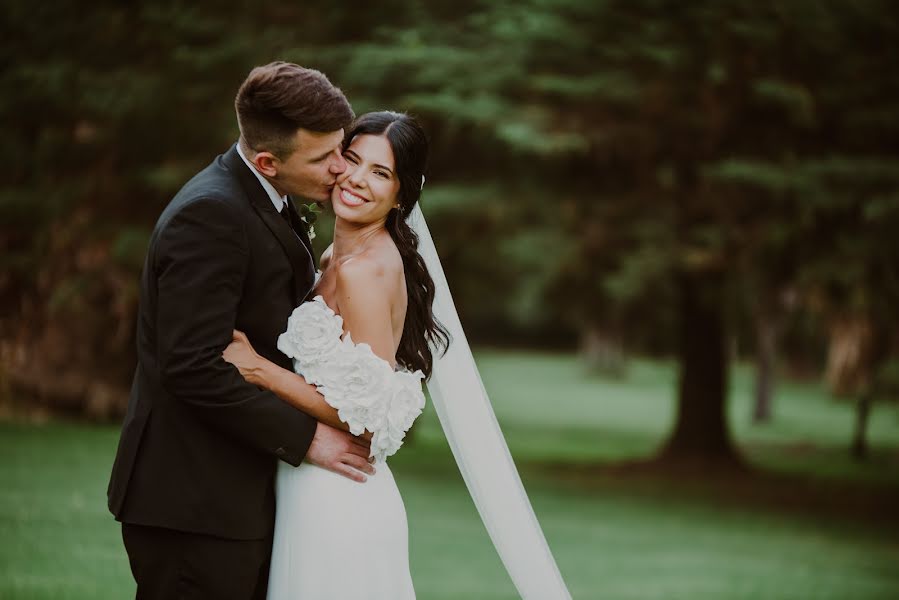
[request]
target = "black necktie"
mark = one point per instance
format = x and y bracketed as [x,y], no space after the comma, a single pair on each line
[285,214]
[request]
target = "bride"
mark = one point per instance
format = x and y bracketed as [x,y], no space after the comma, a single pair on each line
[366,341]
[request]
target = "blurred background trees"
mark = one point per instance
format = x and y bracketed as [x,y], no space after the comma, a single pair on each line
[711,181]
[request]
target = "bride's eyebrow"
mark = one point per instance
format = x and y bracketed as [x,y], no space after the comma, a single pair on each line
[357,158]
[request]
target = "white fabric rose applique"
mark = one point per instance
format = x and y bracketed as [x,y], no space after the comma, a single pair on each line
[313,332]
[366,392]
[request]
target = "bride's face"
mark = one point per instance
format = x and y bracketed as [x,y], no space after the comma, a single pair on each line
[368,189]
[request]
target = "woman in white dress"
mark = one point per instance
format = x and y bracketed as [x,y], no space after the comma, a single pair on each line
[365,342]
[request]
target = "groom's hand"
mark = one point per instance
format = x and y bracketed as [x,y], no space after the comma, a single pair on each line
[341,452]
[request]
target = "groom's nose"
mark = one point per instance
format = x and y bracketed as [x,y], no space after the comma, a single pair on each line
[338,165]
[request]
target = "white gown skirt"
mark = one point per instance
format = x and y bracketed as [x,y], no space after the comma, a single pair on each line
[336,539]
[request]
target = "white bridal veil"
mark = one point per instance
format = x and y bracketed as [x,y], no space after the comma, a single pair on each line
[480,448]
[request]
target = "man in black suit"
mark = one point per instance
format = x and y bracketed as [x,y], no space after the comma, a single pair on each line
[193,477]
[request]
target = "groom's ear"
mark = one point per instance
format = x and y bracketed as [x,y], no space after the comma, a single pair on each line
[266,163]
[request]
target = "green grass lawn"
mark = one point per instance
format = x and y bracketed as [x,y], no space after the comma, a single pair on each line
[809,523]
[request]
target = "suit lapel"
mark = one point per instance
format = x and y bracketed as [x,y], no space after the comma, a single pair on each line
[295,247]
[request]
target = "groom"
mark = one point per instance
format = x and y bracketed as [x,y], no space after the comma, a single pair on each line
[193,477]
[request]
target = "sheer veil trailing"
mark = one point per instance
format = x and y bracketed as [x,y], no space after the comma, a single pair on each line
[480,448]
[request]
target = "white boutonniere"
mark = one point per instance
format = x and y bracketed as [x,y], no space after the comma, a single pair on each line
[309,215]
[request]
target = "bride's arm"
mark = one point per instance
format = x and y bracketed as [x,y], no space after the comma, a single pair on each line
[285,384]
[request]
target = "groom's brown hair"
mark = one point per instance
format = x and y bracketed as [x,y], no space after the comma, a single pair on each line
[279,98]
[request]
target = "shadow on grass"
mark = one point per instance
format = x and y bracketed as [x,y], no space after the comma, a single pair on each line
[741,485]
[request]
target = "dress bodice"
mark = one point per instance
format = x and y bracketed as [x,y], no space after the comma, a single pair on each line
[368,394]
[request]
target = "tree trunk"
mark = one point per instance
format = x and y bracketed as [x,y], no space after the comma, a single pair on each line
[848,354]
[765,360]
[701,431]
[858,349]
[603,352]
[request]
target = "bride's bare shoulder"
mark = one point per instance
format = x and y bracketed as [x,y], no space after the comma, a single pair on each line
[369,286]
[380,263]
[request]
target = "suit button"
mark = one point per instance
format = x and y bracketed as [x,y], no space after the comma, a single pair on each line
[280,452]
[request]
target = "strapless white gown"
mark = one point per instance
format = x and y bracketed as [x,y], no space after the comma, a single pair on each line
[335,538]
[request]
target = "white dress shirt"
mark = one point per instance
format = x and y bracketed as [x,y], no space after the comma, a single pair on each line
[279,201]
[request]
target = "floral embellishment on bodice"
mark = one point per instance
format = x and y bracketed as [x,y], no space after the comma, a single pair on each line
[367,393]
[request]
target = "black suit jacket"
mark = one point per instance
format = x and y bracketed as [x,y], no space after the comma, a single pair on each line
[199,444]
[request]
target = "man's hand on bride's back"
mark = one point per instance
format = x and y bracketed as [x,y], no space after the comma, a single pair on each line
[341,452]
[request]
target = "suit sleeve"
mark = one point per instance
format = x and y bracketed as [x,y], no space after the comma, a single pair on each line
[200,265]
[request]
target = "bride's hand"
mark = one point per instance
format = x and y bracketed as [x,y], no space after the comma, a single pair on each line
[240,353]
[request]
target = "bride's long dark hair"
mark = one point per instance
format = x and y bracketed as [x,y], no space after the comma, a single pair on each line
[410,153]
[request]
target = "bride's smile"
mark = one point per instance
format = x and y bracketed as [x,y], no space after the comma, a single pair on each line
[351,199]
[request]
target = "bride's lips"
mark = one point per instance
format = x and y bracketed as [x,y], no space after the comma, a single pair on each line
[351,199]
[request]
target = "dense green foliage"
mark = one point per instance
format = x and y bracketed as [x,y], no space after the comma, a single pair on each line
[600,172]
[829,534]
